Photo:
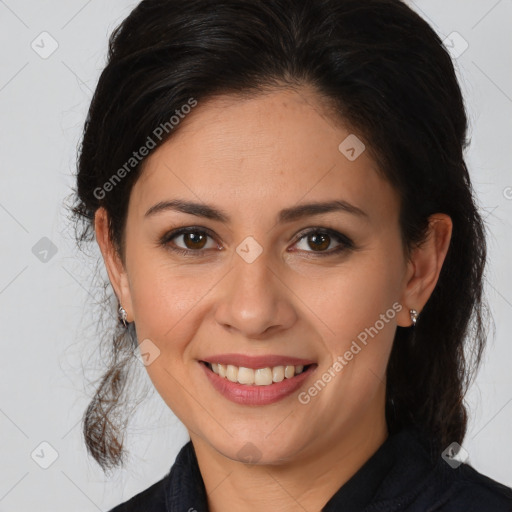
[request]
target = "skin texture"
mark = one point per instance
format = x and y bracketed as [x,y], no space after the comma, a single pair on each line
[252,158]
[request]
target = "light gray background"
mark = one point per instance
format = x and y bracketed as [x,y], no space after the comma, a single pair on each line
[45,307]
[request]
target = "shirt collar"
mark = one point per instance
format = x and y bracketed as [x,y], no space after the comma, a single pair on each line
[394,473]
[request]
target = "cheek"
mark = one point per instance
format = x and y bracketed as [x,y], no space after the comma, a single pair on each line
[353,297]
[160,304]
[169,304]
[167,298]
[357,309]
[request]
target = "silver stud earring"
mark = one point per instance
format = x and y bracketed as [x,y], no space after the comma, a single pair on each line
[122,314]
[414,316]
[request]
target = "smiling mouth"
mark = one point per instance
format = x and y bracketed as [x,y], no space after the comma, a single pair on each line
[259,377]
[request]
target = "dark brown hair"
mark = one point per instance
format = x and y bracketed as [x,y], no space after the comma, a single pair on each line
[387,76]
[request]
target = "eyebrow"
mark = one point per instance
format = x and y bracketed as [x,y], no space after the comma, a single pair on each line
[286,215]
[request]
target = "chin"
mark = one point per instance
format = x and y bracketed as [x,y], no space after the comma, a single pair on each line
[257,450]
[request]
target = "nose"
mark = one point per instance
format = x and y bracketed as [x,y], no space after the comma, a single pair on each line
[254,300]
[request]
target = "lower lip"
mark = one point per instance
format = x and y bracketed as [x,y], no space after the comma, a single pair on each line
[256,395]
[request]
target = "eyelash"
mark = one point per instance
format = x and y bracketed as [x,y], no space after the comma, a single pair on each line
[346,243]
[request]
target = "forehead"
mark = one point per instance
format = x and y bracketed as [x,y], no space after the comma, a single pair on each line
[268,150]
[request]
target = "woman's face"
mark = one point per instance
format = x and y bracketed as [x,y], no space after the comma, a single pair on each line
[264,277]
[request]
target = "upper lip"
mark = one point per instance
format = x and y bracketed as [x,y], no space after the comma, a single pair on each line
[256,362]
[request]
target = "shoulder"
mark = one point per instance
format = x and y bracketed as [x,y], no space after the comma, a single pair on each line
[464,488]
[180,485]
[150,500]
[420,480]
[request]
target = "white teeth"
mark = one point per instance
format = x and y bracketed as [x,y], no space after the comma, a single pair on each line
[232,373]
[262,376]
[278,373]
[245,375]
[259,377]
[289,372]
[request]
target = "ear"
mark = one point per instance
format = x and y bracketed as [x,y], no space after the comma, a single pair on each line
[115,268]
[424,267]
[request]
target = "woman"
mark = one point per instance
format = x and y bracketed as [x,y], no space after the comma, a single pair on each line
[279,193]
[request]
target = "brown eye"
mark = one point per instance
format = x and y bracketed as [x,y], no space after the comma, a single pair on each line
[320,240]
[194,240]
[188,241]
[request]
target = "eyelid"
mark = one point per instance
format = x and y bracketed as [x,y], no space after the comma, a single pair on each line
[327,231]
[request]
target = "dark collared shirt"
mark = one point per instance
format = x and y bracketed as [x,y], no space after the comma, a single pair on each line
[399,477]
